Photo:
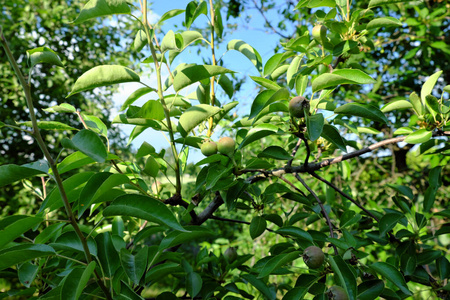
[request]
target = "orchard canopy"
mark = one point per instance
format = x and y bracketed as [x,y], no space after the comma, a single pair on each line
[265,149]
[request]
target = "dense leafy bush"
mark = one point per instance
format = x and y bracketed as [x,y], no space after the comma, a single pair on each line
[290,207]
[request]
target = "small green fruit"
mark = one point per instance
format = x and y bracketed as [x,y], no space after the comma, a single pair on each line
[319,33]
[298,105]
[230,254]
[313,257]
[226,146]
[337,293]
[208,148]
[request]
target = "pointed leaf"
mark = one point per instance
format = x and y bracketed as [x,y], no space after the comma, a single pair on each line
[257,226]
[371,289]
[260,286]
[134,265]
[25,252]
[374,3]
[194,283]
[195,115]
[248,51]
[362,110]
[396,105]
[99,8]
[314,126]
[12,227]
[89,143]
[143,207]
[13,173]
[331,134]
[277,262]
[175,238]
[136,95]
[295,232]
[267,83]
[43,55]
[338,77]
[189,75]
[193,11]
[346,276]
[428,86]
[258,132]
[391,273]
[76,281]
[419,136]
[383,22]
[416,103]
[170,14]
[102,76]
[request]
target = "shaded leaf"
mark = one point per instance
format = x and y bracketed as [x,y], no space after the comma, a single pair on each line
[25,252]
[14,226]
[102,76]
[143,207]
[12,173]
[362,110]
[391,273]
[191,74]
[89,143]
[277,262]
[257,226]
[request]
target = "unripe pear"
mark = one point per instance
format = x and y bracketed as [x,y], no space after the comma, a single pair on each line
[298,105]
[319,33]
[208,148]
[226,146]
[313,257]
[230,254]
[337,293]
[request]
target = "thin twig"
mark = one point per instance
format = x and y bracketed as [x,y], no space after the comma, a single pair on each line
[260,9]
[236,221]
[344,195]
[322,208]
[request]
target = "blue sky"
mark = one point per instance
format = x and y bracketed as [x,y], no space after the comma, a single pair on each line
[254,33]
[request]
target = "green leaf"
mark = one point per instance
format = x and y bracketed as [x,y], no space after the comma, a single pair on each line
[266,98]
[127,293]
[62,108]
[434,180]
[12,173]
[404,190]
[321,3]
[71,185]
[342,76]
[134,265]
[396,105]
[277,262]
[293,69]
[331,134]
[367,111]
[218,23]
[273,63]
[175,238]
[257,226]
[248,51]
[403,130]
[27,273]
[391,273]
[193,11]
[257,133]
[419,136]
[89,143]
[388,222]
[428,86]
[432,104]
[194,283]
[416,103]
[107,254]
[371,289]
[227,85]
[21,253]
[260,286]
[267,83]
[69,241]
[346,276]
[151,167]
[14,226]
[191,74]
[102,76]
[374,3]
[275,152]
[140,40]
[383,22]
[43,55]
[314,126]
[368,130]
[76,281]
[344,47]
[143,207]
[295,232]
[49,233]
[99,8]
[98,185]
[195,115]
[171,41]
[170,14]
[50,125]
[136,95]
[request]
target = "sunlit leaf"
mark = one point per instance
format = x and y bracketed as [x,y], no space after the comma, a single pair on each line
[99,8]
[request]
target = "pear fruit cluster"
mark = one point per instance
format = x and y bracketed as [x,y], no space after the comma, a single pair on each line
[225,146]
